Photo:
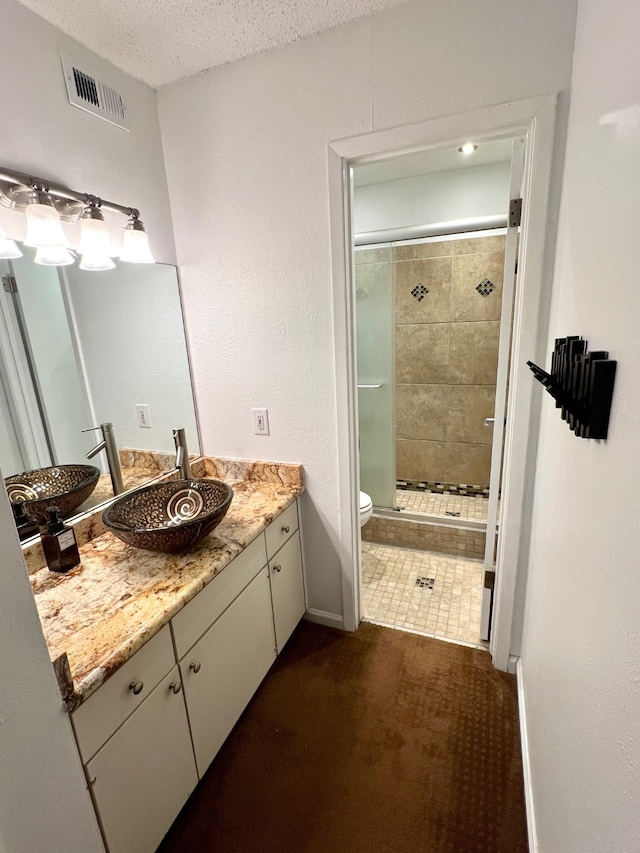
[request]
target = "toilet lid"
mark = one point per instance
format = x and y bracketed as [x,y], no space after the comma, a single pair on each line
[365,501]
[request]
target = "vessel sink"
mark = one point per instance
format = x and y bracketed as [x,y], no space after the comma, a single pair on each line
[65,486]
[168,516]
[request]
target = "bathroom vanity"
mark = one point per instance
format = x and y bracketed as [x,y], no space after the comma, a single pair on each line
[157,655]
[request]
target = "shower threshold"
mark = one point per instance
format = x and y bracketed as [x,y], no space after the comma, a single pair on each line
[459,522]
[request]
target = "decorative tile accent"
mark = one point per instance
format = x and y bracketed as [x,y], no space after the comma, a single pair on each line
[419,292]
[485,287]
[442,488]
[427,583]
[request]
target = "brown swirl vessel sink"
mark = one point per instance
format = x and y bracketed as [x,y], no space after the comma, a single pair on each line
[169,516]
[65,486]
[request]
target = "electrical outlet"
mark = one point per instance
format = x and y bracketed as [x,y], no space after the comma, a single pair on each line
[142,411]
[261,421]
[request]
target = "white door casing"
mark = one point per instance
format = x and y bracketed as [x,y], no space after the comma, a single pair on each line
[534,121]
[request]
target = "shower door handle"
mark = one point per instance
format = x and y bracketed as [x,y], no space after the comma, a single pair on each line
[489,421]
[370,386]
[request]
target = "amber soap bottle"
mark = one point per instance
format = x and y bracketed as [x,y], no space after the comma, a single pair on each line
[59,543]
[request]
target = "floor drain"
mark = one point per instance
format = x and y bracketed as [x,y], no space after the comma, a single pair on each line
[425,582]
[454,514]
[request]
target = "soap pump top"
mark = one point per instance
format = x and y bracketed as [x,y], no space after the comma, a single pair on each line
[55,524]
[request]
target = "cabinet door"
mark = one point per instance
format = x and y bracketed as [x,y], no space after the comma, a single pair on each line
[143,775]
[287,589]
[224,668]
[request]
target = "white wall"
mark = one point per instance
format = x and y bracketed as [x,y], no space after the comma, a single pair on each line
[42,134]
[581,643]
[43,804]
[246,154]
[446,196]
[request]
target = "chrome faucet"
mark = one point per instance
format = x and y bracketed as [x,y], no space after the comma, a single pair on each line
[182,454]
[108,444]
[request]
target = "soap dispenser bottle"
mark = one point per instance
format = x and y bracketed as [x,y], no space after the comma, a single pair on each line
[59,542]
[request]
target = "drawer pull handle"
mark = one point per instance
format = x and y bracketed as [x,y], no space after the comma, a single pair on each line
[285,529]
[277,568]
[136,686]
[195,666]
[175,687]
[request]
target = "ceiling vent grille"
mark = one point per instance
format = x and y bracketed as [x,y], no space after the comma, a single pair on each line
[94,96]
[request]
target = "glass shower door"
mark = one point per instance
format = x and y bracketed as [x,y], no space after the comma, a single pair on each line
[375,370]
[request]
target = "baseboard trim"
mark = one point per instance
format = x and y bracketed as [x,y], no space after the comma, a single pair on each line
[512,665]
[321,617]
[526,766]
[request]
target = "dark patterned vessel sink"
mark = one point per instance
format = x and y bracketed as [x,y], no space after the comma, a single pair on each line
[169,516]
[66,486]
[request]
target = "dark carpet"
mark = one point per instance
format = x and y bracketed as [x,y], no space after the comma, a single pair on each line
[373,741]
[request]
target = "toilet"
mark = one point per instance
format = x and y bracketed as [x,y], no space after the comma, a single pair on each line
[366,508]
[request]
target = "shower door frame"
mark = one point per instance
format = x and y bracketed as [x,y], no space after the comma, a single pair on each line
[534,121]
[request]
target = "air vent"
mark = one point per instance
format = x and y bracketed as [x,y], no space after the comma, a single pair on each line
[94,96]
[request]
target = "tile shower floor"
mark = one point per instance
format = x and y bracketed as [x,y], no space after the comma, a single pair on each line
[439,504]
[435,594]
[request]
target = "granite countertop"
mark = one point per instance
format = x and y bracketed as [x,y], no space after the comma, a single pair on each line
[96,616]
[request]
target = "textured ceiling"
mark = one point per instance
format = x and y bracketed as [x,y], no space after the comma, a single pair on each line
[162,41]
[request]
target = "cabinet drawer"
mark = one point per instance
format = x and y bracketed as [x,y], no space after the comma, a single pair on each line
[98,718]
[287,589]
[203,610]
[142,776]
[281,529]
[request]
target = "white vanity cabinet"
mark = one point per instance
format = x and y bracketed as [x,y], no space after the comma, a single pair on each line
[133,738]
[143,775]
[287,589]
[225,667]
[139,734]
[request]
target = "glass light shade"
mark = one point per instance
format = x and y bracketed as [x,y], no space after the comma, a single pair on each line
[54,256]
[44,229]
[135,248]
[8,249]
[94,238]
[95,245]
[96,262]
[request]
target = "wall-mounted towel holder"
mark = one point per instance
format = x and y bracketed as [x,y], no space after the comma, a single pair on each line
[581,383]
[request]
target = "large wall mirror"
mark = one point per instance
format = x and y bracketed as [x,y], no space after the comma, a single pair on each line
[78,349]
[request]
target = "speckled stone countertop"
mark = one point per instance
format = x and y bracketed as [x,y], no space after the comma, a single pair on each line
[99,614]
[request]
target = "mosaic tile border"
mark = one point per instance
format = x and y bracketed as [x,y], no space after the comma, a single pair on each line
[442,488]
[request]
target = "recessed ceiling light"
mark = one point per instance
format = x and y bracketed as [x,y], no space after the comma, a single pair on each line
[467,148]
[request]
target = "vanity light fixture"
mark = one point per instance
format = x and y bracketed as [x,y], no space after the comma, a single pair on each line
[467,148]
[47,205]
[8,249]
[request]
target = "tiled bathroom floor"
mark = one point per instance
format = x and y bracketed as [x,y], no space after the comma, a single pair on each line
[435,594]
[438,504]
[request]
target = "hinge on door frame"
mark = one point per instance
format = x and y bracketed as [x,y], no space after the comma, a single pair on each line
[9,283]
[515,212]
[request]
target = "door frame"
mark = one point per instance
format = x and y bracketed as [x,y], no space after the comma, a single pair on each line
[534,120]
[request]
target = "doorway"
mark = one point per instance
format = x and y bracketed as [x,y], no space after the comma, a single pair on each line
[428,313]
[533,121]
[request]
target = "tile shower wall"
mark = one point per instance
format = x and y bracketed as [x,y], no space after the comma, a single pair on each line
[448,300]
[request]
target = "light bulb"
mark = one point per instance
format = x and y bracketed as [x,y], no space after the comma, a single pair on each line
[53,256]
[44,229]
[135,244]
[8,249]
[95,245]
[467,148]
